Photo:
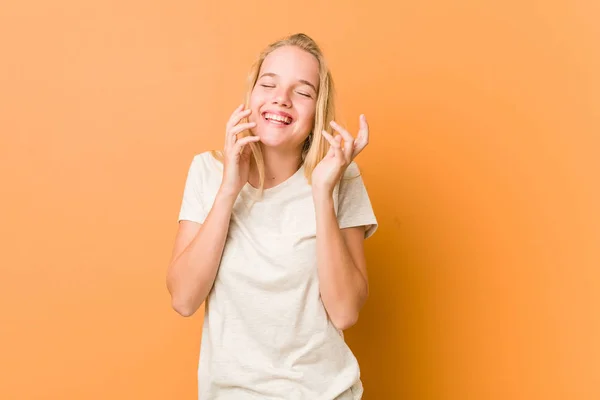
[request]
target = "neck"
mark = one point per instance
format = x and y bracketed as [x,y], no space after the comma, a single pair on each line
[279,166]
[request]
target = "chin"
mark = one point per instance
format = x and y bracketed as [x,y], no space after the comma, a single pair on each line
[276,137]
[271,140]
[270,137]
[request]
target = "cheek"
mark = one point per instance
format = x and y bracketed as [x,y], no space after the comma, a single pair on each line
[255,97]
[255,104]
[308,115]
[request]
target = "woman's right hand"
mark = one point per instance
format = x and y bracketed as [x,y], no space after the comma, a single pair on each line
[236,163]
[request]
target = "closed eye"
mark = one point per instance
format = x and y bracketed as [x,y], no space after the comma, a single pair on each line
[267,86]
[304,94]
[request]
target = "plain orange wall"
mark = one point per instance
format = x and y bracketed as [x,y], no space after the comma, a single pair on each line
[482,169]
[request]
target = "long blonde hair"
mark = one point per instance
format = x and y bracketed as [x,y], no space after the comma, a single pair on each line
[315,146]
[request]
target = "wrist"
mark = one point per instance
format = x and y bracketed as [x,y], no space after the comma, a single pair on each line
[322,195]
[226,195]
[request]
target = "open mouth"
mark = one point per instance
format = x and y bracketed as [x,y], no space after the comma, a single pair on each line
[277,119]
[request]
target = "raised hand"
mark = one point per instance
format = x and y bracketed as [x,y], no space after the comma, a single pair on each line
[331,168]
[236,163]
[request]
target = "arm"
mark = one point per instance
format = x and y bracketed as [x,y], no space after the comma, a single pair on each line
[340,254]
[199,247]
[196,256]
[341,265]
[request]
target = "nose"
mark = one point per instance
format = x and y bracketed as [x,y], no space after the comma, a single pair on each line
[282,98]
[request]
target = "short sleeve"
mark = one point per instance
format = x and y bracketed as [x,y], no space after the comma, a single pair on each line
[354,205]
[192,205]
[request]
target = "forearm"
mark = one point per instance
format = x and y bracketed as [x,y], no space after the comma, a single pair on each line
[193,272]
[343,288]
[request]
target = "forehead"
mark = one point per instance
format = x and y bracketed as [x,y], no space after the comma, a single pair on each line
[291,62]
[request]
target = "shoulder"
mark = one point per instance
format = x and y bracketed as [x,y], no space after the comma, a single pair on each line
[352,190]
[206,162]
[207,156]
[351,178]
[355,207]
[352,185]
[352,171]
[206,173]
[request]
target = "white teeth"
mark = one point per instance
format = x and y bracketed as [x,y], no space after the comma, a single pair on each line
[278,118]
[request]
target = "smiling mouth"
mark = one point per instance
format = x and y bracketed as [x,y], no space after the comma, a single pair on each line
[277,119]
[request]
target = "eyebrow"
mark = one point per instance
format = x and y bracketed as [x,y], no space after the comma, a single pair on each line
[303,81]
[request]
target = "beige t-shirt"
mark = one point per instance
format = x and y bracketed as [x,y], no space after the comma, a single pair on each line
[266,334]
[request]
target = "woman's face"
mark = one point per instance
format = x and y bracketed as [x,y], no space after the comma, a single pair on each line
[284,98]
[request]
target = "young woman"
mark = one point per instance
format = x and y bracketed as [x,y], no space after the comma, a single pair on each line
[271,235]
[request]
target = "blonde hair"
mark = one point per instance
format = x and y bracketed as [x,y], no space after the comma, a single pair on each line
[316,146]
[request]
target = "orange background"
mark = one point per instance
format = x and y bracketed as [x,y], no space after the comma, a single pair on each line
[483,170]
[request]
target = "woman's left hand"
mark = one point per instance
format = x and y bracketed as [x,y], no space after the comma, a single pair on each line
[331,168]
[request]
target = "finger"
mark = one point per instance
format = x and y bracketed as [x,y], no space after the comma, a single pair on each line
[363,136]
[232,134]
[332,144]
[246,150]
[330,139]
[339,151]
[237,110]
[330,151]
[239,145]
[363,131]
[241,127]
[336,146]
[236,117]
[348,139]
